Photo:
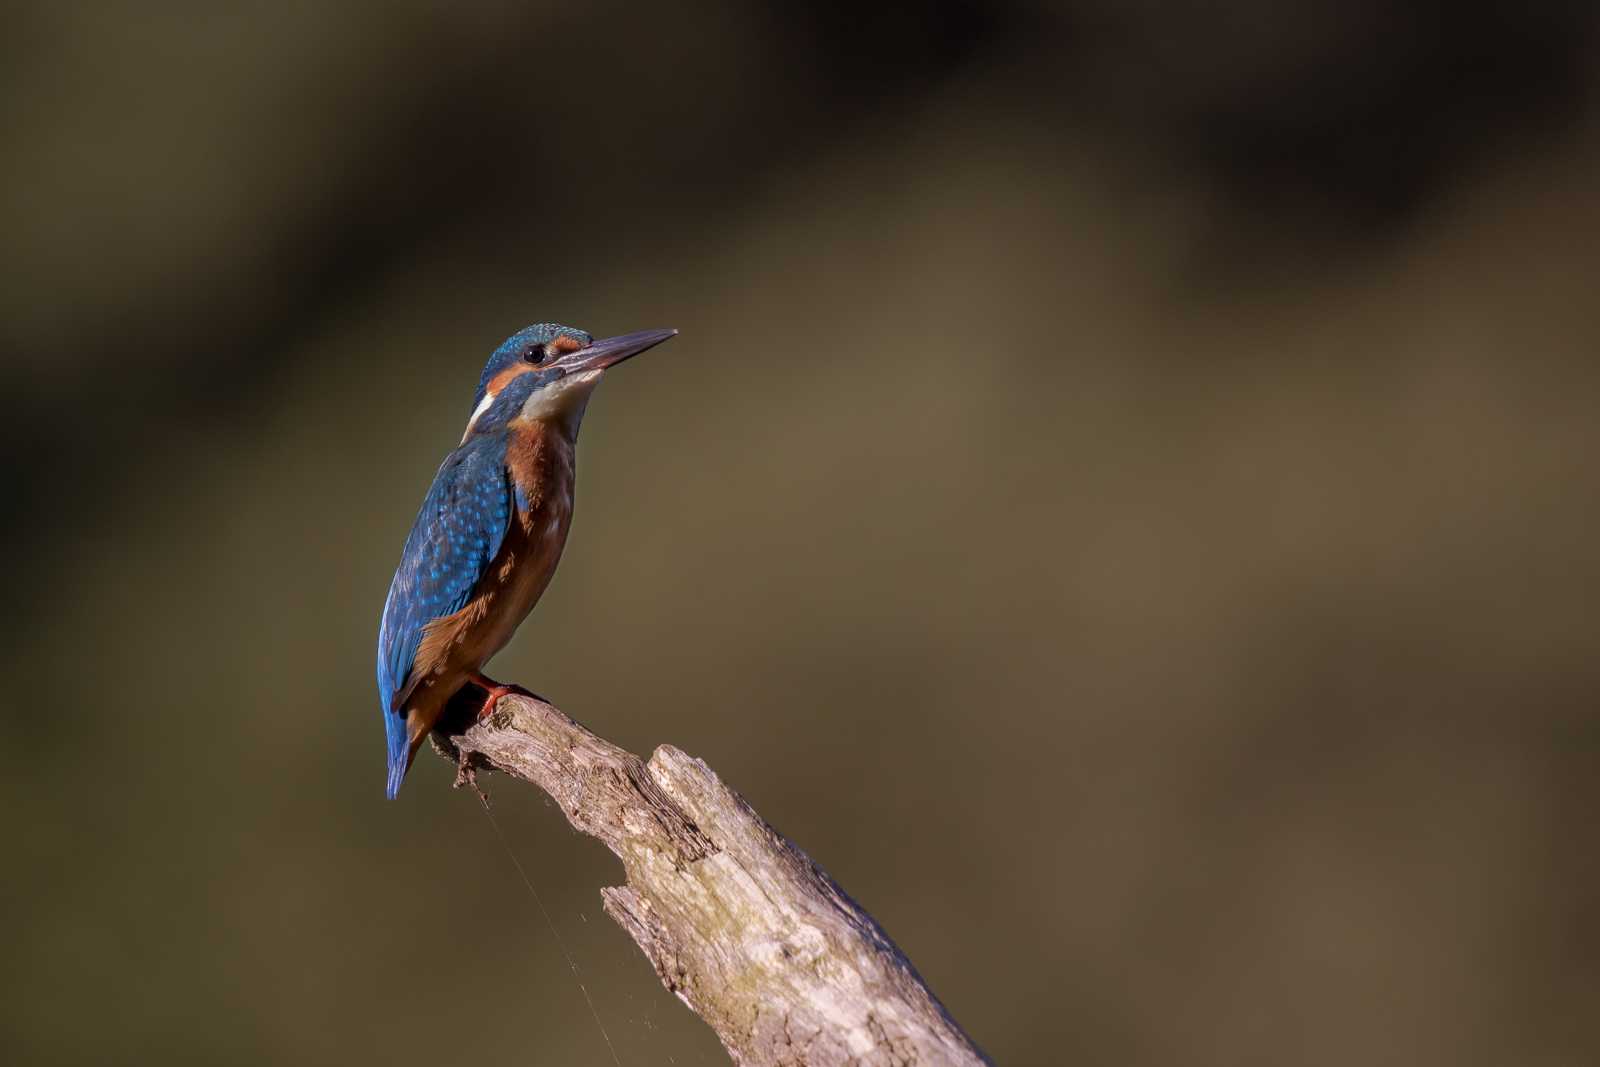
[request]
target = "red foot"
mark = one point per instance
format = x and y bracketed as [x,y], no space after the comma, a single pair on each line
[495,691]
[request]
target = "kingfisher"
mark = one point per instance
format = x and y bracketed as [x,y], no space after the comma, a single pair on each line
[491,529]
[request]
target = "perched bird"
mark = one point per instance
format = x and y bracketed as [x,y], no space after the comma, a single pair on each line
[491,530]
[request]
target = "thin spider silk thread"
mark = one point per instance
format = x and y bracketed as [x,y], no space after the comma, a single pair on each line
[553,931]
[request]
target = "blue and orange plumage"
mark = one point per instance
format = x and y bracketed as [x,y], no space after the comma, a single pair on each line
[491,528]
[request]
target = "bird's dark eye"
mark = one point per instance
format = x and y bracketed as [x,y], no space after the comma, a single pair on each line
[534,354]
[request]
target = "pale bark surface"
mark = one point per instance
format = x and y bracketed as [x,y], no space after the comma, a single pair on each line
[743,926]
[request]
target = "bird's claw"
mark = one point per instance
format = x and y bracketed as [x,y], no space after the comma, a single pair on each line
[493,691]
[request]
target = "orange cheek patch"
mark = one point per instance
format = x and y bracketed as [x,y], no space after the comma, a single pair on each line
[499,381]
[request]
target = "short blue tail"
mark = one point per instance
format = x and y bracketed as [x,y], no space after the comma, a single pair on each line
[394,726]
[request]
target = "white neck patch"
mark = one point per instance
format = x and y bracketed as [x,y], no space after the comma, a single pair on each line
[483,405]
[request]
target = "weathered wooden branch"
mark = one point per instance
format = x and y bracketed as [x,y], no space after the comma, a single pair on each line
[744,927]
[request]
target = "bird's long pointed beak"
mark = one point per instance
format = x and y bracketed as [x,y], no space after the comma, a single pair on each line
[613,350]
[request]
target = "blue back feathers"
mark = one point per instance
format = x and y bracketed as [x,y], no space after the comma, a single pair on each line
[459,530]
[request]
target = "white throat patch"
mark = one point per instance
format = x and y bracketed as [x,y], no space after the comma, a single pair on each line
[560,404]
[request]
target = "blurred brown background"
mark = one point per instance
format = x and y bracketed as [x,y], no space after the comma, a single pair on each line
[1123,500]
